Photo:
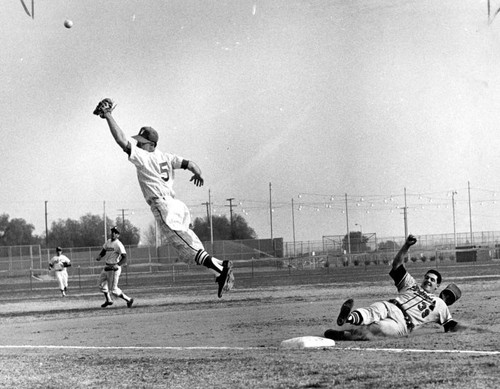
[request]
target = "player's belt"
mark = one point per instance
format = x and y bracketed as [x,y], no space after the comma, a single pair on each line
[409,324]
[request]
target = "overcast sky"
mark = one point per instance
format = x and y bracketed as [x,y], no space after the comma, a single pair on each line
[321,99]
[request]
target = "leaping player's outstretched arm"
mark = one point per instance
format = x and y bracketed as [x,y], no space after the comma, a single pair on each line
[104,110]
[116,131]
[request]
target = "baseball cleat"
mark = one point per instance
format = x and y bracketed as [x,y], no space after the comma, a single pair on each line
[106,303]
[226,278]
[335,335]
[129,303]
[344,312]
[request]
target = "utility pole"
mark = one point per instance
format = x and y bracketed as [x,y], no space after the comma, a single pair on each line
[123,218]
[208,212]
[46,227]
[406,217]
[211,222]
[231,215]
[347,226]
[104,219]
[454,224]
[470,217]
[293,227]
[271,210]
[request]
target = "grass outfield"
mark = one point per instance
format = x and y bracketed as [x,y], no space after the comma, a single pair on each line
[180,335]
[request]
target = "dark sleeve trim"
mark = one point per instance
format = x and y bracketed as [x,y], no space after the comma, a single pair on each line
[449,325]
[398,274]
[128,149]
[184,164]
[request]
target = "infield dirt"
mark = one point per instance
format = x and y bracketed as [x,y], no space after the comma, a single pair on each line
[188,338]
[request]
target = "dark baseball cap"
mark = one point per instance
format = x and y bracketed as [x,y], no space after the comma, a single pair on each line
[147,134]
[115,230]
[58,248]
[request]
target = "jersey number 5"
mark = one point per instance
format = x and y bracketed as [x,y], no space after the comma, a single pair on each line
[165,176]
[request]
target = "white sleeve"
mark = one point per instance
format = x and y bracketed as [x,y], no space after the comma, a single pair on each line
[136,154]
[121,248]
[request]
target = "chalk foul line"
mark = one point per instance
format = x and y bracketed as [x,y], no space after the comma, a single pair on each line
[184,348]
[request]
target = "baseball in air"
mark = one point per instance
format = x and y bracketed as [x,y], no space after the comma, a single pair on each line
[68,23]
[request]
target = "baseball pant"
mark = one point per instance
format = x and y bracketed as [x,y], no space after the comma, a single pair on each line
[174,219]
[383,319]
[108,281]
[62,278]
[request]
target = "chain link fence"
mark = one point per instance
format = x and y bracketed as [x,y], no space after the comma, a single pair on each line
[259,255]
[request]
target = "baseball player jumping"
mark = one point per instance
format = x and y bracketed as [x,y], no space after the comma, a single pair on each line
[414,306]
[156,172]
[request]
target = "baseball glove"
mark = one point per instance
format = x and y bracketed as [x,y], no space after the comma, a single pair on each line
[66,264]
[105,106]
[450,294]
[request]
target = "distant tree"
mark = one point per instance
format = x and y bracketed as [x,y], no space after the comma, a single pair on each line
[357,241]
[241,228]
[89,232]
[148,237]
[4,222]
[388,245]
[202,229]
[16,232]
[129,234]
[222,230]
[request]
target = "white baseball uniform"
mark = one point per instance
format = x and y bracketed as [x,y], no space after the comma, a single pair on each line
[108,280]
[57,263]
[155,172]
[411,308]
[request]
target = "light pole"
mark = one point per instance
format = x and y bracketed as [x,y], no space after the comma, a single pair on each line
[293,227]
[271,210]
[454,225]
[360,243]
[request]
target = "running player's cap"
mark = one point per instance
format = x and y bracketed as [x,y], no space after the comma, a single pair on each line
[115,230]
[147,134]
[58,248]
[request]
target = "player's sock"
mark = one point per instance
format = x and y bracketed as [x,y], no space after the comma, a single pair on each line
[355,318]
[203,258]
[108,298]
[125,297]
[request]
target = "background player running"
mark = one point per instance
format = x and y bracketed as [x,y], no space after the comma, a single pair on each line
[115,256]
[414,306]
[155,172]
[59,263]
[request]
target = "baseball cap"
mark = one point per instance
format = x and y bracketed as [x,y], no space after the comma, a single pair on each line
[115,230]
[450,294]
[147,134]
[58,248]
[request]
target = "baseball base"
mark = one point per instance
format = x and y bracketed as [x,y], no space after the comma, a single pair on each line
[308,342]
